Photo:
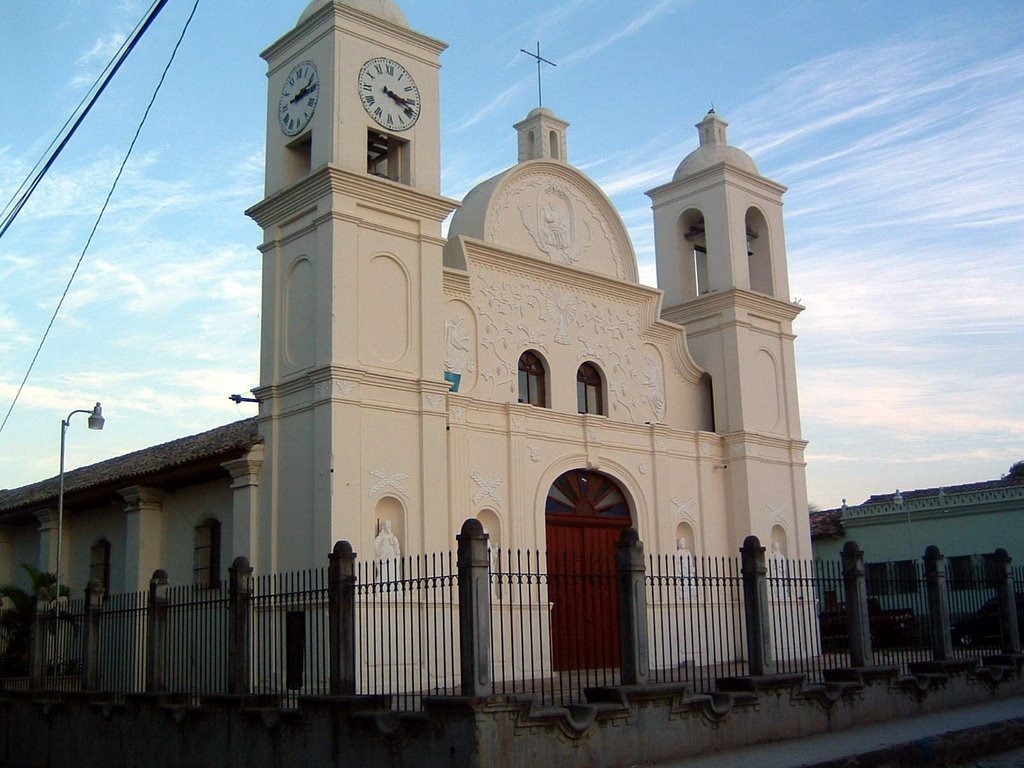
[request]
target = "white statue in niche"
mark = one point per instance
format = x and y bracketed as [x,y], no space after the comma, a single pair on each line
[684,565]
[778,568]
[388,552]
[554,226]
[458,357]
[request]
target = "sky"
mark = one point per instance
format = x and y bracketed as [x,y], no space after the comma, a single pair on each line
[897,127]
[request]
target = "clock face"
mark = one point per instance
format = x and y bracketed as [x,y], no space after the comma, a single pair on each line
[299,96]
[389,94]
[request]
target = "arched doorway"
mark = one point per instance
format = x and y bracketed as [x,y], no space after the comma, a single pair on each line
[584,517]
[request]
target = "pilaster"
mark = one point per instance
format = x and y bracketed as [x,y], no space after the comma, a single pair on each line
[47,561]
[245,503]
[143,516]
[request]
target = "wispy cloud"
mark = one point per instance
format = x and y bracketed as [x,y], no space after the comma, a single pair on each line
[630,28]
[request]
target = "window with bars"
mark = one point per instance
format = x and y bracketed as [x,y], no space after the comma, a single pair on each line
[206,555]
[99,563]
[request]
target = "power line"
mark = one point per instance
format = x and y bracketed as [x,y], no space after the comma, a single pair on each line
[103,209]
[119,59]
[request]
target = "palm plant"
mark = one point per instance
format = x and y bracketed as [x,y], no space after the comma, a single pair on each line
[16,606]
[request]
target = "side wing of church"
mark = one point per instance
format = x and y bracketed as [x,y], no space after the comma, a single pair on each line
[514,371]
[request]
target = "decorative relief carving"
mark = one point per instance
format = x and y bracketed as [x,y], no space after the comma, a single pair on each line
[683,510]
[642,469]
[518,422]
[779,513]
[560,305]
[553,223]
[639,388]
[660,443]
[322,389]
[435,402]
[385,482]
[562,219]
[458,352]
[486,490]
[593,435]
[518,316]
[534,454]
[458,413]
[345,388]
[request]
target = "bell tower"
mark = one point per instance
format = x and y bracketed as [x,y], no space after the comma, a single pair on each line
[352,390]
[721,261]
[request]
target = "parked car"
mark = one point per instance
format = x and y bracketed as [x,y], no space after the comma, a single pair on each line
[982,627]
[888,626]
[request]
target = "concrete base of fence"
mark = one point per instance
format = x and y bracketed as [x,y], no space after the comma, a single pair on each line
[615,727]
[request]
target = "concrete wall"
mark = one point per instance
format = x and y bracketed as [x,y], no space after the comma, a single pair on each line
[618,727]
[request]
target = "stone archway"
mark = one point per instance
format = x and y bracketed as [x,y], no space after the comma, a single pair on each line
[585,513]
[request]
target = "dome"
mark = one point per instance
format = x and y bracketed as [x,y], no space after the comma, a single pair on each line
[382,9]
[714,149]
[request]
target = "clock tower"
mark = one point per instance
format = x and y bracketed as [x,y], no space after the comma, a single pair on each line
[352,390]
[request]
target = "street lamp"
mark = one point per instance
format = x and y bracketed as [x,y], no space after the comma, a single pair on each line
[95,422]
[898,501]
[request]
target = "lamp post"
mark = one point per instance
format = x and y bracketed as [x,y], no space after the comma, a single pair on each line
[95,422]
[898,501]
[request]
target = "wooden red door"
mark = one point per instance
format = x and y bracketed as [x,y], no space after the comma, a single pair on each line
[585,515]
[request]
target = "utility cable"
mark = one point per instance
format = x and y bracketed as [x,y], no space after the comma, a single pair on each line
[99,217]
[136,36]
[88,97]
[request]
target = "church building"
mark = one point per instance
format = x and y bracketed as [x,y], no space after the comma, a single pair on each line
[513,370]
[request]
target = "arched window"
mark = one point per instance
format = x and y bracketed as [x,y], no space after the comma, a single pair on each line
[589,390]
[556,147]
[206,555]
[532,380]
[99,563]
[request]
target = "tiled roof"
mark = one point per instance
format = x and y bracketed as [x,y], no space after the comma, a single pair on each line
[827,524]
[229,440]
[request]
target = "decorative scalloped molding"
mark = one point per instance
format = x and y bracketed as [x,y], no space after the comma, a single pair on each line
[394,482]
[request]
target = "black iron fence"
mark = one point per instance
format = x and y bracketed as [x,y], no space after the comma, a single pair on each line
[514,622]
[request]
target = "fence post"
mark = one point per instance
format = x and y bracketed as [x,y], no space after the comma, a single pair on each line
[938,603]
[1009,631]
[94,593]
[37,641]
[755,607]
[341,601]
[156,633]
[630,572]
[858,619]
[474,610]
[240,626]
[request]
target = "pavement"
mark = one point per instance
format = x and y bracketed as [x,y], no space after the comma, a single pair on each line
[989,735]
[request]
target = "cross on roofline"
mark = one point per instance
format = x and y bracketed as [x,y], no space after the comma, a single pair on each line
[540,60]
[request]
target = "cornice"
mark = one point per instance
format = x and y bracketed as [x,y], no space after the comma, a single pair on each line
[371,191]
[363,26]
[719,303]
[972,502]
[525,265]
[456,283]
[713,176]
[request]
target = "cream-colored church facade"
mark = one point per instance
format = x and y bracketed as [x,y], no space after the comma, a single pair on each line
[513,369]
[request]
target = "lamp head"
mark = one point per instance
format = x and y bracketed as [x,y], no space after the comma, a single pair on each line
[96,419]
[898,498]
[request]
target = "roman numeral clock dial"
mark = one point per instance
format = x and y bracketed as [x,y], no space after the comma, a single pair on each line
[389,94]
[299,97]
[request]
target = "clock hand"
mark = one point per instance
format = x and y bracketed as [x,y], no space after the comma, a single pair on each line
[305,89]
[398,99]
